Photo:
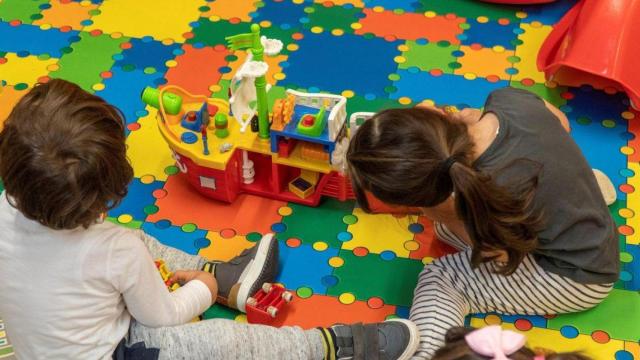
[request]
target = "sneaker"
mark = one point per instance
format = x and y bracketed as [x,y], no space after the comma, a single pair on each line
[395,339]
[243,275]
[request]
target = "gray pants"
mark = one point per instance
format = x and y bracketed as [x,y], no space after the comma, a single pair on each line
[221,338]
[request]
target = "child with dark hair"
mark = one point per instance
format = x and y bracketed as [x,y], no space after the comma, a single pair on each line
[75,287]
[510,189]
[492,342]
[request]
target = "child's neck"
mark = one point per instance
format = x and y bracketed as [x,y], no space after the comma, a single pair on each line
[483,132]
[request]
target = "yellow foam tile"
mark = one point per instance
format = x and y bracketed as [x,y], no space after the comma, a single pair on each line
[484,62]
[356,3]
[66,14]
[532,39]
[9,97]
[222,249]
[553,340]
[229,9]
[160,19]
[633,202]
[633,348]
[148,153]
[24,69]
[379,233]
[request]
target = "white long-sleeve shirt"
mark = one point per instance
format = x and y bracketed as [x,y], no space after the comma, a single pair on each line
[70,294]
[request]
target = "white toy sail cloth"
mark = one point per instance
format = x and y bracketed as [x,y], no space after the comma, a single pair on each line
[243,90]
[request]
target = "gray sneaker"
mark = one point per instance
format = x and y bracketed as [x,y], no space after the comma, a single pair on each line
[395,339]
[243,275]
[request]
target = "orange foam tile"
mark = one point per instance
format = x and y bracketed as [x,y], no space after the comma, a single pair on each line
[224,248]
[230,9]
[410,26]
[197,69]
[9,97]
[183,204]
[66,14]
[428,243]
[312,312]
[356,3]
[483,62]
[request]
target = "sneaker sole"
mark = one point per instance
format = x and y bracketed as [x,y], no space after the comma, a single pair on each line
[414,339]
[255,275]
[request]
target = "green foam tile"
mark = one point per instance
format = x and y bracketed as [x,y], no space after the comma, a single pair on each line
[369,275]
[334,17]
[20,10]
[133,224]
[90,56]
[217,311]
[213,33]
[322,223]
[551,95]
[617,315]
[429,56]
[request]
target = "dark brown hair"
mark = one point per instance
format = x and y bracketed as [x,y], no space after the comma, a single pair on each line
[456,348]
[400,156]
[63,156]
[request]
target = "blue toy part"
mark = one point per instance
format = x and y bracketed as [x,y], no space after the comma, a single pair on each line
[194,120]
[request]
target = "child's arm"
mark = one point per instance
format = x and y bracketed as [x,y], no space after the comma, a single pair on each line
[559,114]
[133,273]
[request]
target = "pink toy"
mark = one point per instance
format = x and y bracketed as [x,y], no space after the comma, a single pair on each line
[596,43]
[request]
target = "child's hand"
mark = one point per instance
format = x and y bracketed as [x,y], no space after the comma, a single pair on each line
[184,276]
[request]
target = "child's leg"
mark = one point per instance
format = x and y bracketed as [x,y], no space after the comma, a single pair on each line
[174,258]
[448,289]
[226,339]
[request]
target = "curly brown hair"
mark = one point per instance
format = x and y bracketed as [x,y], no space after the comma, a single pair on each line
[63,156]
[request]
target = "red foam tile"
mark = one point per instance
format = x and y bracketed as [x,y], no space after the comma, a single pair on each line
[321,310]
[197,69]
[429,243]
[247,214]
[409,26]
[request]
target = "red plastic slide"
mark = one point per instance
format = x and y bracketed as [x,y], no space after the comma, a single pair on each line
[596,43]
[519,2]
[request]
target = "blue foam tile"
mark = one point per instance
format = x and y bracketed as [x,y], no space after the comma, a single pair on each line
[174,236]
[304,266]
[143,54]
[445,89]
[338,63]
[409,5]
[632,268]
[547,14]
[600,144]
[139,196]
[403,311]
[490,34]
[123,90]
[30,38]
[281,12]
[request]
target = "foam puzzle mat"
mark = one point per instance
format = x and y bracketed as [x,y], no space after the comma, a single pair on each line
[342,264]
